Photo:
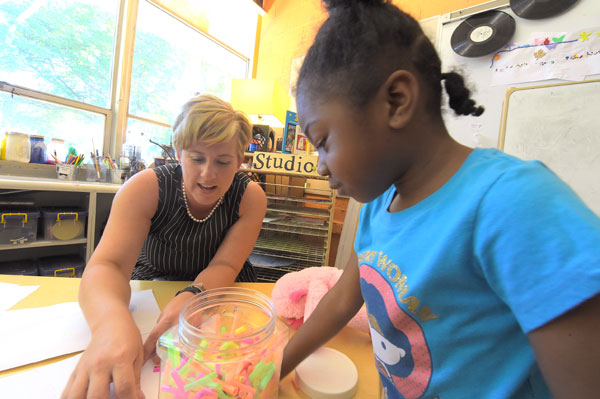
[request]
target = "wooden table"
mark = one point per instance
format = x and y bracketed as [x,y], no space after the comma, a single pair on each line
[355,344]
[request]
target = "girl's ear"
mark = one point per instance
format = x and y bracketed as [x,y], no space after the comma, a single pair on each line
[178,154]
[402,95]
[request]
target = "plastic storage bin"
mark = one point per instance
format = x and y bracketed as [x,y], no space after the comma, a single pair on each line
[61,266]
[27,267]
[228,344]
[18,226]
[63,223]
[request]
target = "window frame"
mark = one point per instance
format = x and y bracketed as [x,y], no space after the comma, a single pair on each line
[123,117]
[116,117]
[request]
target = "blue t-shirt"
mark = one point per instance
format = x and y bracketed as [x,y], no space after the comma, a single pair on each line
[454,283]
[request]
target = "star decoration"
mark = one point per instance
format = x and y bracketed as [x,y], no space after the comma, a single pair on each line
[585,36]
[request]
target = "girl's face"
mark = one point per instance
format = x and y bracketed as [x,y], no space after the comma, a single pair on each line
[208,170]
[354,147]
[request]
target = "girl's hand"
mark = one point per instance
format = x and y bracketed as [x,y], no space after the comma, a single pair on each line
[115,354]
[168,318]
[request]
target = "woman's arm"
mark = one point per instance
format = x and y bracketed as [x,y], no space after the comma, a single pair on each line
[239,241]
[567,350]
[225,265]
[115,352]
[105,282]
[332,313]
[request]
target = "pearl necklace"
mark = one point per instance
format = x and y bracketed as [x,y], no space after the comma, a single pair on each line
[190,213]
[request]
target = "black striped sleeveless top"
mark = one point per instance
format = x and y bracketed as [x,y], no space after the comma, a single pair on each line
[177,248]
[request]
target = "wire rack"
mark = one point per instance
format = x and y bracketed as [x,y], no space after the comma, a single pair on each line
[298,210]
[268,274]
[301,223]
[297,226]
[290,228]
[308,200]
[272,274]
[290,248]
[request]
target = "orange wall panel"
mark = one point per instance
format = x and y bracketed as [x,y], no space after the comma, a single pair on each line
[289,27]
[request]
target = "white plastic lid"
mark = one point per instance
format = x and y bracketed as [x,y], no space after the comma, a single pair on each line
[327,374]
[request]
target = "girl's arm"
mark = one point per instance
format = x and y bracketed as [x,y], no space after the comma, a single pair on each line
[115,352]
[225,265]
[567,350]
[332,313]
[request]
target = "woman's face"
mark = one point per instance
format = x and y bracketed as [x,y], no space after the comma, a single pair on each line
[208,170]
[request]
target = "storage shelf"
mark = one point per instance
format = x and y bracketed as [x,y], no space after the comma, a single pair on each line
[272,274]
[302,223]
[43,243]
[296,231]
[308,200]
[291,228]
[298,210]
[290,248]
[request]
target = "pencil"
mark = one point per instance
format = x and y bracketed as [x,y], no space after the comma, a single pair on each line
[55,159]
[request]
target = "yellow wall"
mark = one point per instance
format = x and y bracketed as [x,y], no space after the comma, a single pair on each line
[289,27]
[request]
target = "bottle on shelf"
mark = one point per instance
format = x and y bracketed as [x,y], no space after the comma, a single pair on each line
[18,147]
[57,148]
[38,149]
[3,147]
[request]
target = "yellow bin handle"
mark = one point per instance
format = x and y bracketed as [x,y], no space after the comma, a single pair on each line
[67,213]
[70,272]
[2,221]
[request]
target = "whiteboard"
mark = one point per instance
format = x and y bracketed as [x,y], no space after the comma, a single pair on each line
[483,131]
[558,125]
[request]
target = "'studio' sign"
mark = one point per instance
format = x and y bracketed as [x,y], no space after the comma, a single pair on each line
[285,163]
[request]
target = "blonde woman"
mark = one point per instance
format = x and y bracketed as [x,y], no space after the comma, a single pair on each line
[197,220]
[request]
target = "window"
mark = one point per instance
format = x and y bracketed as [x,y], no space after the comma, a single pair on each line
[80,129]
[63,48]
[171,63]
[60,61]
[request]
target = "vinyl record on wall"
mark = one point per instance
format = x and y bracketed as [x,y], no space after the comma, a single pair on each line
[482,33]
[539,9]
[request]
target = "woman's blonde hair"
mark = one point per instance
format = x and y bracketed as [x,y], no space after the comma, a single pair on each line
[210,120]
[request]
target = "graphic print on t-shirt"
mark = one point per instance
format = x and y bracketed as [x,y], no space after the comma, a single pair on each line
[401,351]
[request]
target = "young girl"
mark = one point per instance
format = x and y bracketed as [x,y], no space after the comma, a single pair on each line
[480,272]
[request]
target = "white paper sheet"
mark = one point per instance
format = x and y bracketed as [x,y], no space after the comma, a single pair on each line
[31,335]
[48,382]
[11,294]
[548,55]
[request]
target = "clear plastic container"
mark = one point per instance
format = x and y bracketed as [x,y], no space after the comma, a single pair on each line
[95,171]
[25,267]
[228,344]
[18,226]
[116,176]
[63,223]
[61,266]
[18,147]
